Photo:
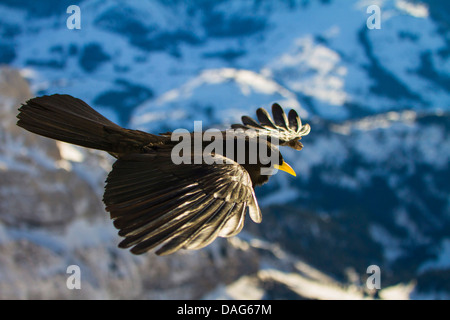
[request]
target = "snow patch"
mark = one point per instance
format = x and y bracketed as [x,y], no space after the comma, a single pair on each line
[418,10]
[70,152]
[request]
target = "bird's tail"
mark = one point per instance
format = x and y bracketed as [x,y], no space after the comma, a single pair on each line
[68,119]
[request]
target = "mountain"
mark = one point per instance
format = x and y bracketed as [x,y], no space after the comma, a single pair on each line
[372,185]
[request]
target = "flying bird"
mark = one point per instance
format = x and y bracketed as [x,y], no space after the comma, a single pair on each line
[155,203]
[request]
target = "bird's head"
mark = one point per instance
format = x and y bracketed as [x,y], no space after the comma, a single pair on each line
[267,165]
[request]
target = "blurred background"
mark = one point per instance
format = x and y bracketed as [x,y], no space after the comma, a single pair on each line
[372,184]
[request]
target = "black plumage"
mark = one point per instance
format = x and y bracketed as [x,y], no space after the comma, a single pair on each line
[154,202]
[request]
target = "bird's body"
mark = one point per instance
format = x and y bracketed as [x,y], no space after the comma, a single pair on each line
[154,199]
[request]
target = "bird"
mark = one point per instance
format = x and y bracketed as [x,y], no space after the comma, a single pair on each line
[154,203]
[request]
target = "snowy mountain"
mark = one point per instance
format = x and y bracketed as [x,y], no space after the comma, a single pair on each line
[372,185]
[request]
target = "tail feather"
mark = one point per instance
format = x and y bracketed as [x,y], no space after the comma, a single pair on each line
[68,119]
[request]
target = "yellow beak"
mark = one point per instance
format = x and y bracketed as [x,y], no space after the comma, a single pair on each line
[286,168]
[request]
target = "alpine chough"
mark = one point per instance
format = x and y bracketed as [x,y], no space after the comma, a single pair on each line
[157,203]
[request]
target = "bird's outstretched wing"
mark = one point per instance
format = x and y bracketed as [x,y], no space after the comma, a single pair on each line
[287,129]
[154,202]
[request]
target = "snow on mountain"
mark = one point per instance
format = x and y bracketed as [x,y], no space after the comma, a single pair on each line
[323,53]
[203,94]
[372,185]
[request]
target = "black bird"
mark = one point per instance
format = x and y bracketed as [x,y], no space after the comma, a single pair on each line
[155,202]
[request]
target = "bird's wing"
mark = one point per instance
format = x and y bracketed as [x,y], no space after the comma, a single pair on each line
[287,129]
[155,202]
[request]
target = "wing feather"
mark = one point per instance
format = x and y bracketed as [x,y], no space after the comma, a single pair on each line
[287,129]
[205,234]
[154,202]
[294,121]
[235,222]
[279,116]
